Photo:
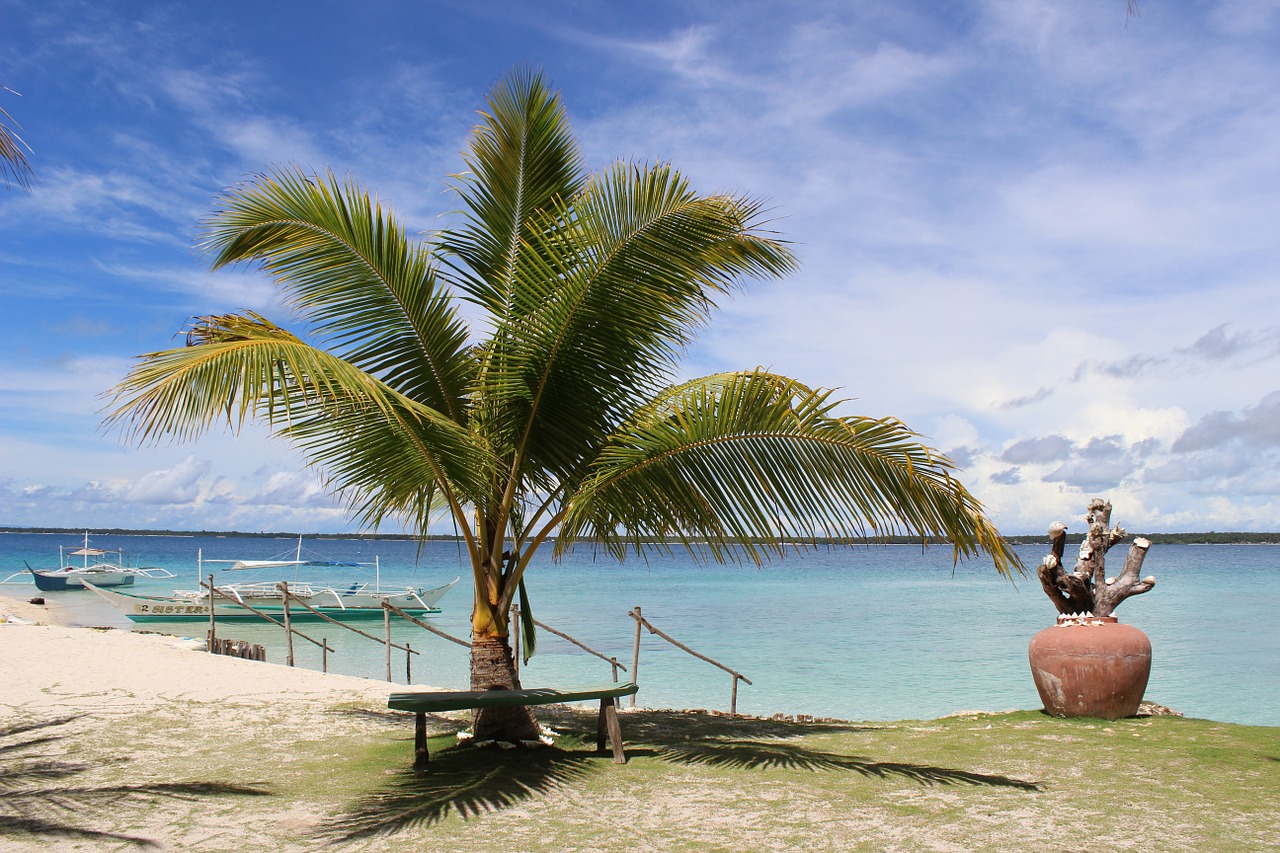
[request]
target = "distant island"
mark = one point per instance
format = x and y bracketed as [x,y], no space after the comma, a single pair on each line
[1209,538]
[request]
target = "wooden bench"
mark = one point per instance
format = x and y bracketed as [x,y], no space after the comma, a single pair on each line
[423,702]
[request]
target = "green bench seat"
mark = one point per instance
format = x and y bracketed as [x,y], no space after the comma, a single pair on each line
[433,701]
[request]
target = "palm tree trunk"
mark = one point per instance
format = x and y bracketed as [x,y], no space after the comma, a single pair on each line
[493,668]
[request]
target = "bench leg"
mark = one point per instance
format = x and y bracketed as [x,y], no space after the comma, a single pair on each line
[420,755]
[608,721]
[601,726]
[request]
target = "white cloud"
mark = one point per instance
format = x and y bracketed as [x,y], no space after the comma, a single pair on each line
[293,489]
[112,204]
[182,483]
[1049,448]
[206,292]
[1257,428]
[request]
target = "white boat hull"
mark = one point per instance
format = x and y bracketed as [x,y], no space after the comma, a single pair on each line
[334,603]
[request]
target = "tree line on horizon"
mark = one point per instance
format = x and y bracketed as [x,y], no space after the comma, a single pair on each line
[1211,537]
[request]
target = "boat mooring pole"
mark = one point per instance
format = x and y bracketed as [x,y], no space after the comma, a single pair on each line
[386,636]
[213,636]
[288,625]
[635,655]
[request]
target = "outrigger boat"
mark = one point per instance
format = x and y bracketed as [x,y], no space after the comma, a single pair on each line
[109,568]
[354,601]
[357,600]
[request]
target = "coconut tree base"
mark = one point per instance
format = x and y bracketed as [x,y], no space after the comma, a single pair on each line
[493,668]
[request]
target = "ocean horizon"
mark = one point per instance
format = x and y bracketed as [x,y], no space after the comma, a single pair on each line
[882,632]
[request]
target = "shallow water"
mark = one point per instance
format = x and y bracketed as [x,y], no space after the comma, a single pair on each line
[863,634]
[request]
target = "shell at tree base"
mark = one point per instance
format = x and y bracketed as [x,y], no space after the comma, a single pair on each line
[1091,666]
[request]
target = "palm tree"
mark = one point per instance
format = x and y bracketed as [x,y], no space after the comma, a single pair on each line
[14,166]
[554,417]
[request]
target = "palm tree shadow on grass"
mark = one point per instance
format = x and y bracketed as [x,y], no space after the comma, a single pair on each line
[664,726]
[757,755]
[464,780]
[34,802]
[472,782]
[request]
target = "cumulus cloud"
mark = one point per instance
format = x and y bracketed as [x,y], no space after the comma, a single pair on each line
[1212,468]
[1049,448]
[1256,427]
[1128,368]
[179,484]
[962,456]
[293,488]
[1100,464]
[1009,477]
[1037,396]
[1221,344]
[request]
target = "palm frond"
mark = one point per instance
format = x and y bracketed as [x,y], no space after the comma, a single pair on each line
[14,166]
[744,463]
[345,266]
[523,158]
[386,452]
[609,298]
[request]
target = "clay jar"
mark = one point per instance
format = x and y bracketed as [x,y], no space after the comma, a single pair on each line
[1090,666]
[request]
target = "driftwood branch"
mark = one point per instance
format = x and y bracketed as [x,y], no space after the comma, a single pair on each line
[1087,589]
[1069,592]
[1117,589]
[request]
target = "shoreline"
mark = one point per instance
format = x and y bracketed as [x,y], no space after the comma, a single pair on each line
[238,685]
[44,661]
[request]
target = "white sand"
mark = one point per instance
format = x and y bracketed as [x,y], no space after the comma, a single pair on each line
[135,709]
[83,670]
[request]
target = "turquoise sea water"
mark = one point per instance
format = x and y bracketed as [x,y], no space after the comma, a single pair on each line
[860,634]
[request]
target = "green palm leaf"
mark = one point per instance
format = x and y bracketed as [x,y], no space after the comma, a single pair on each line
[609,299]
[14,166]
[345,266]
[386,452]
[523,159]
[747,462]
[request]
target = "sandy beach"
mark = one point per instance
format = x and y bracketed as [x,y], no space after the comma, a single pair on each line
[131,673]
[162,705]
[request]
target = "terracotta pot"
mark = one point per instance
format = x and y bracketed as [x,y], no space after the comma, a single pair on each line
[1091,667]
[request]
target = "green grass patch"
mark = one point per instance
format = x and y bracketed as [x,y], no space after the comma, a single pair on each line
[1017,781]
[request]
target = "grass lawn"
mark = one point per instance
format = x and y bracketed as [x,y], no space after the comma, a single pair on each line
[201,777]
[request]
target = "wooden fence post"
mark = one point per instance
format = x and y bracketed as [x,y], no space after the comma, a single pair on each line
[386,636]
[737,676]
[288,625]
[213,635]
[635,654]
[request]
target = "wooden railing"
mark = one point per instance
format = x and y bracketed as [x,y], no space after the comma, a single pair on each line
[289,629]
[286,622]
[388,609]
[515,649]
[635,658]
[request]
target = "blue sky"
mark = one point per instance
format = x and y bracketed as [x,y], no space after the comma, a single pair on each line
[1043,234]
